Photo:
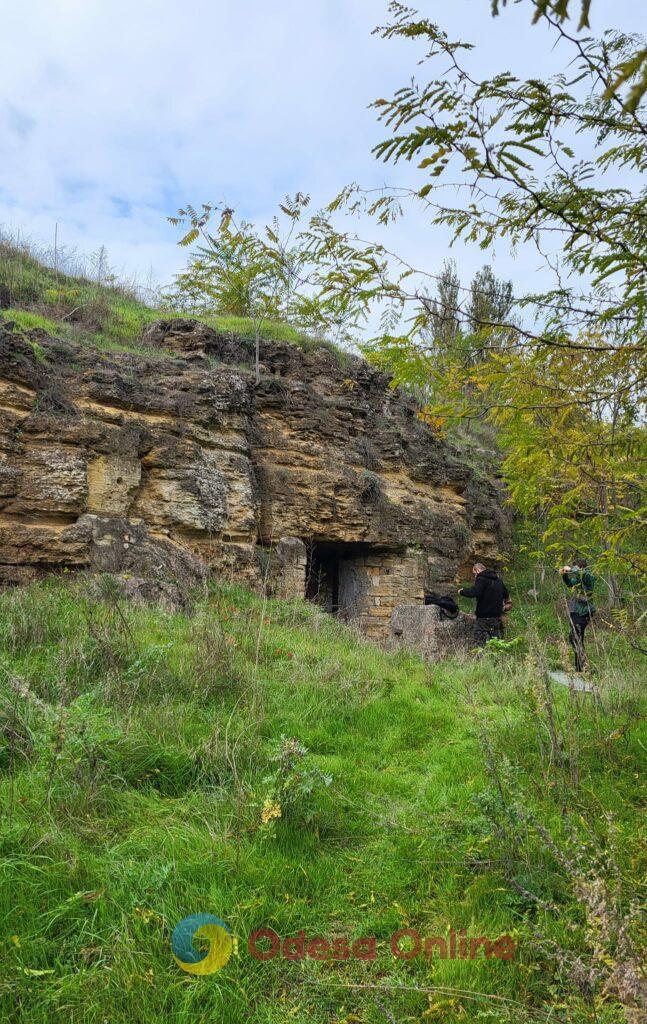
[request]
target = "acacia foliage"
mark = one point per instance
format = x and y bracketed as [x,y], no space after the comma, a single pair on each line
[557,165]
[264,274]
[235,269]
[633,70]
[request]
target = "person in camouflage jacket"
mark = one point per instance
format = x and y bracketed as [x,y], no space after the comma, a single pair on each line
[581,581]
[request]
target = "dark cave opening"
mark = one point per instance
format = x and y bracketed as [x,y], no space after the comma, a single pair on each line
[336,575]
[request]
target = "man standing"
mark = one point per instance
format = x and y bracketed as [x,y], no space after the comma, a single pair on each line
[491,595]
[581,581]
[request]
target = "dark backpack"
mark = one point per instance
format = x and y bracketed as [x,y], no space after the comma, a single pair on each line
[448,607]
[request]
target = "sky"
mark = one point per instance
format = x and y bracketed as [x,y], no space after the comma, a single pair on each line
[114,113]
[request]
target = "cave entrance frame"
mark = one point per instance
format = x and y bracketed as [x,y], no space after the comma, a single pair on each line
[340,576]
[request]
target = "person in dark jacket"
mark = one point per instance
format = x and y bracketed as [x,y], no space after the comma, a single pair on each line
[581,581]
[491,594]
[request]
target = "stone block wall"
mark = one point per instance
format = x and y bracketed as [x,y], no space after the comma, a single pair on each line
[384,581]
[290,568]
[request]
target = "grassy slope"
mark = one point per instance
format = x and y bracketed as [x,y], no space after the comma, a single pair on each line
[109,318]
[132,791]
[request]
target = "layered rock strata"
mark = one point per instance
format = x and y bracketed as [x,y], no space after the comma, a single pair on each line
[320,481]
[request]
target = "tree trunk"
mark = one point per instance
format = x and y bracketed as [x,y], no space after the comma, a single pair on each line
[614,591]
[257,362]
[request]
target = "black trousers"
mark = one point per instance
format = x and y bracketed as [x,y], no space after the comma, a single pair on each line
[486,629]
[576,638]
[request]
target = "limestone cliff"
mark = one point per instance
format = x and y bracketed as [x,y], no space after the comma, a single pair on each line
[320,479]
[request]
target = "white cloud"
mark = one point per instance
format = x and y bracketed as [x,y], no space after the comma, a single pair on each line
[113,114]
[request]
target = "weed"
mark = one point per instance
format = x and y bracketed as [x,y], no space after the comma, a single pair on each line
[79,299]
[293,785]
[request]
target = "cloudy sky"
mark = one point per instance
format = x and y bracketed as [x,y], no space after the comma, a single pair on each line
[113,113]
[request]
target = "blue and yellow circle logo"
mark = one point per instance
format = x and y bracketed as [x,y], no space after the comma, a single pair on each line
[205,926]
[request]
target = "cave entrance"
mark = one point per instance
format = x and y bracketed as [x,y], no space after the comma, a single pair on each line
[336,577]
[361,583]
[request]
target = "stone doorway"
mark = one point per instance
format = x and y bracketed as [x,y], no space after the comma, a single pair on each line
[356,582]
[361,583]
[332,578]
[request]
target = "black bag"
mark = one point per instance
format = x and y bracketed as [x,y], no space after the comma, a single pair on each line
[448,607]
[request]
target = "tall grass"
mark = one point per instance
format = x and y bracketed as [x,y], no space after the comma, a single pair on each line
[29,269]
[137,761]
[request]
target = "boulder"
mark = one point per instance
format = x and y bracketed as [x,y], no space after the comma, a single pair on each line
[180,334]
[424,629]
[141,591]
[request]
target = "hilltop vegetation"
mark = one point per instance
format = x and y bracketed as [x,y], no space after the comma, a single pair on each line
[89,305]
[150,771]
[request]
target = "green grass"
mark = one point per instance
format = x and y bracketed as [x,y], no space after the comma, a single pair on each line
[74,308]
[244,326]
[107,317]
[28,321]
[137,755]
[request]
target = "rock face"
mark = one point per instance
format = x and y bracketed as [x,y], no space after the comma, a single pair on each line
[320,480]
[147,568]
